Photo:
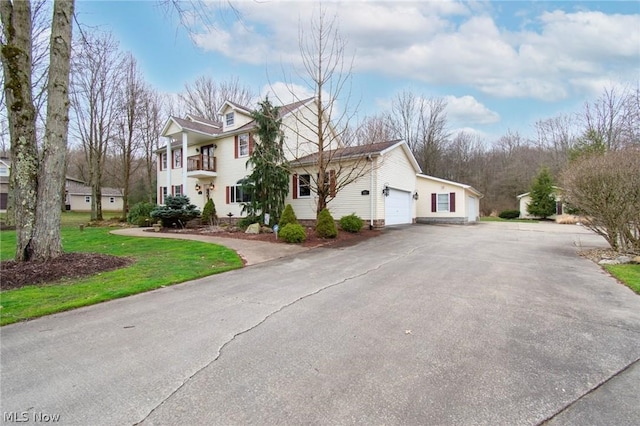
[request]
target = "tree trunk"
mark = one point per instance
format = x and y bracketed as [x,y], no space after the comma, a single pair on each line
[16,64]
[46,242]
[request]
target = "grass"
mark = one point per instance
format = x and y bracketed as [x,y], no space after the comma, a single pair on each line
[157,263]
[628,274]
[499,219]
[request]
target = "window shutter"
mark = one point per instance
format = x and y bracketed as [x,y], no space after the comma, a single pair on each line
[228,191]
[235,143]
[452,202]
[558,207]
[160,164]
[250,144]
[295,187]
[332,183]
[160,195]
[434,202]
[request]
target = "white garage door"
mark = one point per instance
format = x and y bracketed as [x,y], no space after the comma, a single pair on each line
[472,215]
[397,207]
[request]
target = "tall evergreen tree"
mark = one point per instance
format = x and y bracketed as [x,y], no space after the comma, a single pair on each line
[543,200]
[268,183]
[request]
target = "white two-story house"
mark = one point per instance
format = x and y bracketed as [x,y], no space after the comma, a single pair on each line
[208,159]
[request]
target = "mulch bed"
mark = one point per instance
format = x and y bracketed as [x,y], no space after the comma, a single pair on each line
[344,239]
[69,265]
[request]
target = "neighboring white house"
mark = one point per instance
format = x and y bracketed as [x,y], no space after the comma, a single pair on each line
[78,197]
[77,193]
[207,159]
[525,199]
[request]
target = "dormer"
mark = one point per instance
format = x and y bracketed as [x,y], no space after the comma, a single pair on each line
[234,116]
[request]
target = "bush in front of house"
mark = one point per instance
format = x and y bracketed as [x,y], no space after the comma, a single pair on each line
[177,211]
[293,233]
[326,226]
[243,223]
[288,216]
[140,214]
[509,214]
[351,223]
[209,214]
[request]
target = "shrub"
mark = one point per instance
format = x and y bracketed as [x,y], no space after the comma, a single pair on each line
[509,214]
[209,214]
[140,214]
[244,222]
[287,217]
[326,226]
[177,210]
[293,233]
[351,223]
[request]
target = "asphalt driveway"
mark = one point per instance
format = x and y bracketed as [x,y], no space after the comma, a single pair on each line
[487,324]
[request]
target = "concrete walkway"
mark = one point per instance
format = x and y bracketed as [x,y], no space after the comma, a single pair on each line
[252,252]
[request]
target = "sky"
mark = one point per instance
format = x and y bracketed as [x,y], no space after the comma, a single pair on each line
[499,65]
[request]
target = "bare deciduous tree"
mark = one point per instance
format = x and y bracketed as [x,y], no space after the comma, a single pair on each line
[422,123]
[128,139]
[97,78]
[327,73]
[151,126]
[606,189]
[204,96]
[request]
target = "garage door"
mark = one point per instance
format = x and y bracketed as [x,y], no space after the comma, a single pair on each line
[397,207]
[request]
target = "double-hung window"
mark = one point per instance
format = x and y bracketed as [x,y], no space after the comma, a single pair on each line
[87,199]
[163,161]
[243,145]
[237,195]
[229,119]
[304,186]
[177,159]
[443,202]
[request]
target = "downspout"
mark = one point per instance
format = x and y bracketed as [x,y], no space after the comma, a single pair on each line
[371,192]
[184,163]
[169,168]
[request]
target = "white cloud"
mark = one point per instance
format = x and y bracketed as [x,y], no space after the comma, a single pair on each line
[467,110]
[283,93]
[546,55]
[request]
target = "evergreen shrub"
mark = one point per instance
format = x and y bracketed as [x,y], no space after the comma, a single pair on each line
[288,216]
[509,214]
[351,223]
[292,233]
[326,226]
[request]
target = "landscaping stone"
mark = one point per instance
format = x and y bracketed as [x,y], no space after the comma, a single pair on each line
[624,259]
[254,228]
[609,262]
[636,259]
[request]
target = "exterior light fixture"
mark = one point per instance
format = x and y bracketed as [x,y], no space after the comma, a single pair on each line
[415,195]
[198,187]
[385,191]
[212,186]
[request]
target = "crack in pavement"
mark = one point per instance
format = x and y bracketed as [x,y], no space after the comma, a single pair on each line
[590,391]
[262,321]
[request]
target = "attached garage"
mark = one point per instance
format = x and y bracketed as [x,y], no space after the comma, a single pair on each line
[397,207]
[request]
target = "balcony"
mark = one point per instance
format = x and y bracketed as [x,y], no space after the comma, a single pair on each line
[201,166]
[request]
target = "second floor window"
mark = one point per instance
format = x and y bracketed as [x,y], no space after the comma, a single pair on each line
[163,161]
[243,145]
[177,159]
[230,119]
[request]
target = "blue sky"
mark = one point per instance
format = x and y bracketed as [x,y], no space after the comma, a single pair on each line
[499,65]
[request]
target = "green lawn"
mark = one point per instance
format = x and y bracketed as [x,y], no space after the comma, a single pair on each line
[157,263]
[628,274]
[499,219]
